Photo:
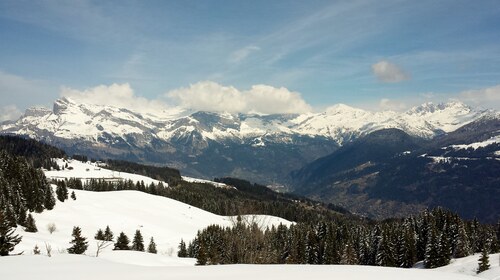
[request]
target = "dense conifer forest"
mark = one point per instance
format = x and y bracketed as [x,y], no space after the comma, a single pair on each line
[433,237]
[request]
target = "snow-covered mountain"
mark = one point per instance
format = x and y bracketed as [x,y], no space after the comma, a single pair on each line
[191,141]
[70,120]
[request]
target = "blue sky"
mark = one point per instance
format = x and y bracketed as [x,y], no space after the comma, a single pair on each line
[371,54]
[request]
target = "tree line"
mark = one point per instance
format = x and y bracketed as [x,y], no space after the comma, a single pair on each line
[433,237]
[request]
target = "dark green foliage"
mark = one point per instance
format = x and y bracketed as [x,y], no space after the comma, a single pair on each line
[484,261]
[37,154]
[182,253]
[73,195]
[108,234]
[152,246]
[247,198]
[99,235]
[165,174]
[388,243]
[79,243]
[122,242]
[62,192]
[30,224]
[138,242]
[22,188]
[8,240]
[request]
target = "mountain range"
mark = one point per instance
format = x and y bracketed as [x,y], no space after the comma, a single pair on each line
[376,164]
[260,148]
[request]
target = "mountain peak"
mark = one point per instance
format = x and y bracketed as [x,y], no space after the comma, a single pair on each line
[456,107]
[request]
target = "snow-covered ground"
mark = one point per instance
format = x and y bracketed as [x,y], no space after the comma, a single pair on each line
[88,170]
[83,267]
[468,266]
[167,220]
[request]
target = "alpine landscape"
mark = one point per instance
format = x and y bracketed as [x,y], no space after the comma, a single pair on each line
[212,139]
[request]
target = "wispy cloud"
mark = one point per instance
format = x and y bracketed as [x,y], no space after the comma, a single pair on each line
[242,53]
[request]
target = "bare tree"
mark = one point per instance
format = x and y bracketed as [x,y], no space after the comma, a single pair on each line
[49,249]
[101,245]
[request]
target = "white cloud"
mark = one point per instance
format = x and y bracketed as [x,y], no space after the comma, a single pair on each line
[393,105]
[486,97]
[9,113]
[243,53]
[211,96]
[117,95]
[388,72]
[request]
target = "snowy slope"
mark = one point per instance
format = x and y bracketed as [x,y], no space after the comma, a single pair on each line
[87,170]
[167,220]
[468,266]
[83,267]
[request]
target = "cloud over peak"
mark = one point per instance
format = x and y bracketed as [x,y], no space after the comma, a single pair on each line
[388,72]
[116,95]
[211,96]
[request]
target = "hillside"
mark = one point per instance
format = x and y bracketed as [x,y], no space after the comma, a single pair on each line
[398,175]
[167,220]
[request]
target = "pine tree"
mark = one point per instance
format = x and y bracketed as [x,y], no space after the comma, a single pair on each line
[182,253]
[30,224]
[62,192]
[99,235]
[152,246]
[484,261]
[79,242]
[8,240]
[108,234]
[36,250]
[49,199]
[73,195]
[122,242]
[431,250]
[138,242]
[349,255]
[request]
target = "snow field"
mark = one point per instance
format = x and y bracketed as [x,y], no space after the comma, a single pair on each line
[167,220]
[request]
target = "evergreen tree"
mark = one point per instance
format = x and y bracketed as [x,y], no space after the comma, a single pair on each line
[182,253]
[462,246]
[30,224]
[62,192]
[138,242]
[49,199]
[201,256]
[431,250]
[484,261]
[8,240]
[36,250]
[99,235]
[79,242]
[73,195]
[108,234]
[349,255]
[122,242]
[152,246]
